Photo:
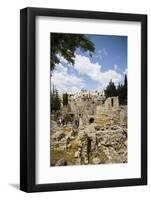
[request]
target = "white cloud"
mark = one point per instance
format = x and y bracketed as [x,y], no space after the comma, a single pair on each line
[85,67]
[125,72]
[62,59]
[64,81]
[101,53]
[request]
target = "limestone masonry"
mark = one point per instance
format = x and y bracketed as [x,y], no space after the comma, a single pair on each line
[95,131]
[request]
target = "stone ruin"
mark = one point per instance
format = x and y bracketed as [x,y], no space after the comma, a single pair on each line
[98,145]
[101,137]
[111,103]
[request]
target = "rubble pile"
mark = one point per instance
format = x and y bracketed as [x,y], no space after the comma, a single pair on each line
[94,144]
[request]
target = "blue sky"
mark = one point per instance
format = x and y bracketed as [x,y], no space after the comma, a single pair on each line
[93,73]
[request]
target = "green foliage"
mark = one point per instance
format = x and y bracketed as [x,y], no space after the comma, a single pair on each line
[125,89]
[120,91]
[55,101]
[66,44]
[111,90]
[65,99]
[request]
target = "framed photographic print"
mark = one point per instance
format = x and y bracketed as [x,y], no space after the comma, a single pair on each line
[83,99]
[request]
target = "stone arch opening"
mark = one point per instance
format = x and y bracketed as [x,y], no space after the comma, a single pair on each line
[91,120]
[112,102]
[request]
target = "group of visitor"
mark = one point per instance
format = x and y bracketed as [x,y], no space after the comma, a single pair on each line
[63,122]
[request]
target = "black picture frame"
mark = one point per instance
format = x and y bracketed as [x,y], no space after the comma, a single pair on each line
[28,99]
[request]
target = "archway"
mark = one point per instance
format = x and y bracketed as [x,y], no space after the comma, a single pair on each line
[91,120]
[112,103]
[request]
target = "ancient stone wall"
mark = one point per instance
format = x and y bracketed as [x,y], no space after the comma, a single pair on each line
[112,103]
[91,145]
[100,137]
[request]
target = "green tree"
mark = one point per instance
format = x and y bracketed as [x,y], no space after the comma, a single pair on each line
[55,100]
[125,89]
[122,92]
[110,90]
[65,99]
[52,97]
[66,44]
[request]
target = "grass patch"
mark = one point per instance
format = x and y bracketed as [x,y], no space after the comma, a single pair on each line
[68,155]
